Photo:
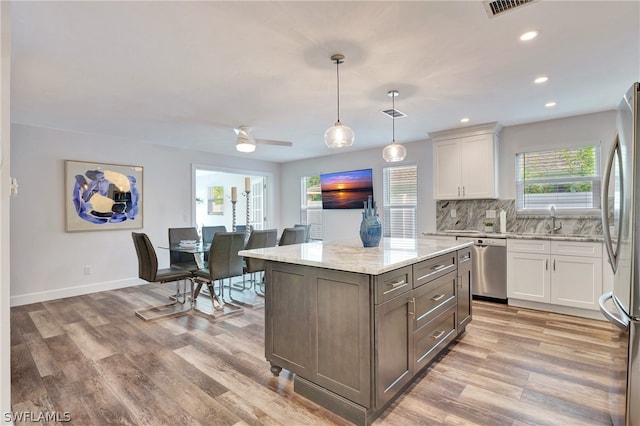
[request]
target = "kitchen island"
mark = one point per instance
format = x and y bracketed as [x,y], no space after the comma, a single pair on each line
[357,325]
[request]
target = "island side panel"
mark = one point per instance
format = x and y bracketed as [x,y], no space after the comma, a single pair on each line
[343,333]
[288,328]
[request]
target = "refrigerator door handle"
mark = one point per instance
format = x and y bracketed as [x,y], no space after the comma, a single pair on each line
[611,252]
[622,322]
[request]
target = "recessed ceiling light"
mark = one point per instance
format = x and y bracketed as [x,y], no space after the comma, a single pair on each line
[464,120]
[550,104]
[529,35]
[541,79]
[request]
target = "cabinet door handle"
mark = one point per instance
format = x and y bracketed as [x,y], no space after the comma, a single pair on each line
[413,302]
[463,191]
[437,297]
[546,264]
[395,285]
[438,334]
[554,264]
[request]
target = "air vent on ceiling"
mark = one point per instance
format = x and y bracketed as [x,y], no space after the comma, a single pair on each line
[393,113]
[498,7]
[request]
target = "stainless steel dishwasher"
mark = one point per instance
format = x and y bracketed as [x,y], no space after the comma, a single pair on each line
[489,274]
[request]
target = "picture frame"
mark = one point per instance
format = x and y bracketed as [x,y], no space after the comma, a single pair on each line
[216,200]
[102,196]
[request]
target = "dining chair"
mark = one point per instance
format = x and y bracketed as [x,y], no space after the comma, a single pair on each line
[209,231]
[258,239]
[307,231]
[292,236]
[178,259]
[207,236]
[224,262]
[148,271]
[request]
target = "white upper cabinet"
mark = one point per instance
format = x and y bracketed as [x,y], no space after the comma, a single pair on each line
[464,162]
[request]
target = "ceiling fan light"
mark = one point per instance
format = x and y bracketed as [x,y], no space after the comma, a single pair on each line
[339,136]
[245,145]
[394,152]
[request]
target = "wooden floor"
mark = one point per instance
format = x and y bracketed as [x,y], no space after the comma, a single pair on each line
[90,357]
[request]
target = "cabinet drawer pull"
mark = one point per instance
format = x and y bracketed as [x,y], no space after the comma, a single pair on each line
[413,302]
[438,334]
[546,264]
[437,297]
[435,269]
[458,191]
[465,258]
[395,285]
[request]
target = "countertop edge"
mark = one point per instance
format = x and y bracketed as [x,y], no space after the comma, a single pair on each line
[517,236]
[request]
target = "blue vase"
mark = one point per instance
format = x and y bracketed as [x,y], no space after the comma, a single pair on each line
[370,231]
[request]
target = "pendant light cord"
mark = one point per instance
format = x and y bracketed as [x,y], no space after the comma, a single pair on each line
[393,117]
[338,80]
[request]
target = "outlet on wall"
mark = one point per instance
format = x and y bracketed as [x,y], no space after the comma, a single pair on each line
[454,213]
[491,214]
[87,269]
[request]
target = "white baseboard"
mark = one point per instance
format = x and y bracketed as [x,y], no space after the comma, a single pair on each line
[558,309]
[43,296]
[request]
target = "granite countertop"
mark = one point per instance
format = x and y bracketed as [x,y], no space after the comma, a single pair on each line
[514,235]
[350,256]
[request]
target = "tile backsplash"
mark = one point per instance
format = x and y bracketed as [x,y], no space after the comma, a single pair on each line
[470,214]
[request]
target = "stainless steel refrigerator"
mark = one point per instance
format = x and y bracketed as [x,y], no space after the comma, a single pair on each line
[620,222]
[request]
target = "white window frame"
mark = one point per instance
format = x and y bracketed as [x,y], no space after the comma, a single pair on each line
[407,207]
[310,214]
[560,209]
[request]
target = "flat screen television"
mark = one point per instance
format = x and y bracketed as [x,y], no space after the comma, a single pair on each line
[346,190]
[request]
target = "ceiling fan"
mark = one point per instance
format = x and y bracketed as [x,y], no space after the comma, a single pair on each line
[246,142]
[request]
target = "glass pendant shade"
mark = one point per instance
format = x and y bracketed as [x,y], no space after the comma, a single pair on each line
[394,152]
[339,136]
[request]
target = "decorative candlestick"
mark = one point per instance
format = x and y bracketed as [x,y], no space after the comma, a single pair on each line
[247,230]
[234,200]
[233,215]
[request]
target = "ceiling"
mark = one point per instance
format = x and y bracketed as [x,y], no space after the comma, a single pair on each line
[184,74]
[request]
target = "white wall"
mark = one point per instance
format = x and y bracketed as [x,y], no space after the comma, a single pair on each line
[5,134]
[580,130]
[340,224]
[46,261]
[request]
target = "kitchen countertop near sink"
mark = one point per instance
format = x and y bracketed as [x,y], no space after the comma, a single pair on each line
[513,235]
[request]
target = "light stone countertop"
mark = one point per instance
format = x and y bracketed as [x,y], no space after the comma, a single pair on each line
[350,256]
[513,235]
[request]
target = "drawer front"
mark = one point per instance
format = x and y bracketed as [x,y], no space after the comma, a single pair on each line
[434,336]
[392,284]
[576,248]
[529,246]
[464,255]
[431,269]
[430,297]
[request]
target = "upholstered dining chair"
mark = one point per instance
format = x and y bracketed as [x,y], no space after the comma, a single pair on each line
[224,262]
[207,236]
[307,231]
[148,271]
[182,260]
[258,239]
[292,236]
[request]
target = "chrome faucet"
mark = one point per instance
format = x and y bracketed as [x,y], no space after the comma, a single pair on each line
[554,228]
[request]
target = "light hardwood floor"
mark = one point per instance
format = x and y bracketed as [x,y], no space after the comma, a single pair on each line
[89,356]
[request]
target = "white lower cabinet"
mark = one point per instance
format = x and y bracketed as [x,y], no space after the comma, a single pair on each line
[566,273]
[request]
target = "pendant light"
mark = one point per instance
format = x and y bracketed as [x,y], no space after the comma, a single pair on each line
[394,151]
[339,135]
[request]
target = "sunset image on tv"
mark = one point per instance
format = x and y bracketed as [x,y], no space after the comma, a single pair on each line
[346,190]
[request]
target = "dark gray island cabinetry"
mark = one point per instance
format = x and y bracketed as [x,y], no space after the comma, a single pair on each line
[356,325]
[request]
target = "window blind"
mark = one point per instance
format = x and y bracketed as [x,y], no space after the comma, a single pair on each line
[566,178]
[400,198]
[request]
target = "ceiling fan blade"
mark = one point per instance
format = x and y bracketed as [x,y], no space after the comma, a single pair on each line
[272,142]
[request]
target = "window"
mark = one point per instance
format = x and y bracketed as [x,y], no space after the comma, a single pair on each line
[566,178]
[311,208]
[400,195]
